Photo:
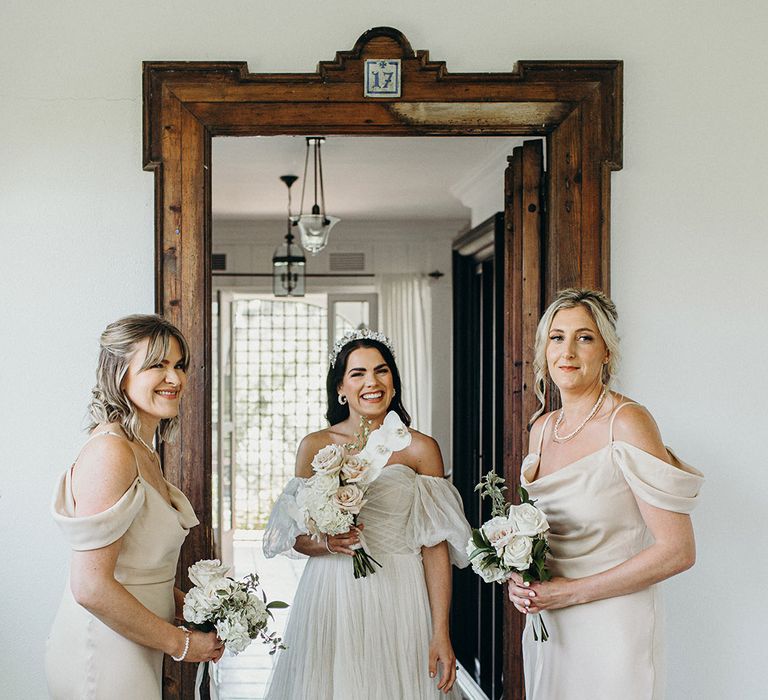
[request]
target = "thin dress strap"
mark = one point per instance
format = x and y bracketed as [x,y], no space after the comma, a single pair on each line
[613,416]
[117,435]
[543,429]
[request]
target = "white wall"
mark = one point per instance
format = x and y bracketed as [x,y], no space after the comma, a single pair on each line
[688,214]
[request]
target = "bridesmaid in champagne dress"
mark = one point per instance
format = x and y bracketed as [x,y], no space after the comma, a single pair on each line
[384,636]
[125,525]
[617,502]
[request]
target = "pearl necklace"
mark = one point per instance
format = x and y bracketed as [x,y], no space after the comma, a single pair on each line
[590,415]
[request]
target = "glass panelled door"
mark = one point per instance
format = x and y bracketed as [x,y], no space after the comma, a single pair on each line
[347,312]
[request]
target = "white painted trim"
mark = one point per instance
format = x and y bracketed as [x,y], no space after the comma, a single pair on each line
[469,689]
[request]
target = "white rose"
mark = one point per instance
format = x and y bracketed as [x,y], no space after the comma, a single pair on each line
[353,468]
[528,520]
[489,574]
[328,460]
[517,553]
[207,570]
[219,588]
[349,498]
[498,531]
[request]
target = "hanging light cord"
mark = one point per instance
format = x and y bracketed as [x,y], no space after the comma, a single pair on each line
[322,185]
[317,157]
[317,148]
[304,180]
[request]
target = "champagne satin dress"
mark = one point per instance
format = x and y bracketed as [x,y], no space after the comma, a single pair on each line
[85,659]
[612,648]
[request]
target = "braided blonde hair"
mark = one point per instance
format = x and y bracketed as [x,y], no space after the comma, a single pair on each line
[109,403]
[603,312]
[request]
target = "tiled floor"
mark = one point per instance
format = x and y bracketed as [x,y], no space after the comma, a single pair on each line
[244,677]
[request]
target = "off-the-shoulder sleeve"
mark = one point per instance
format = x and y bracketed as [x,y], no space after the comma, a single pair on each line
[286,523]
[438,516]
[100,529]
[672,487]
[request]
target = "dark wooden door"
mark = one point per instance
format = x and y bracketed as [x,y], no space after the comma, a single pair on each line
[477,608]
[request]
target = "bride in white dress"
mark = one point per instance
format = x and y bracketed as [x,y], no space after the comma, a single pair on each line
[386,635]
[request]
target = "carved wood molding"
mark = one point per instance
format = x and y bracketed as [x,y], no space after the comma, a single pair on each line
[575,105]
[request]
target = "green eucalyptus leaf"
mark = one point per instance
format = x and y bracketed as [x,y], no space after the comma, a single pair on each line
[479,539]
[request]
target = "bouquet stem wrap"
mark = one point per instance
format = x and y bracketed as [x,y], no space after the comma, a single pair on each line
[362,561]
[205,673]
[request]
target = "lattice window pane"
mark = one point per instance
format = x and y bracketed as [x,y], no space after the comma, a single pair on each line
[280,368]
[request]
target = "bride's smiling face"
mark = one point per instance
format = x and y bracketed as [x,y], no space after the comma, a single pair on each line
[367,383]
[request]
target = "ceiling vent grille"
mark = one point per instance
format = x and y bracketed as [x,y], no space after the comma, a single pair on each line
[347,262]
[218,261]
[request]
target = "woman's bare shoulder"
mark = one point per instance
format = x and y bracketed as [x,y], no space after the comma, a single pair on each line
[635,425]
[105,469]
[535,433]
[422,455]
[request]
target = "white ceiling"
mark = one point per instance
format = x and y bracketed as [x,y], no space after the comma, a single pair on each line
[366,177]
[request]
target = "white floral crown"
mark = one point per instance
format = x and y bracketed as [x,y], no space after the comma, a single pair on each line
[358,334]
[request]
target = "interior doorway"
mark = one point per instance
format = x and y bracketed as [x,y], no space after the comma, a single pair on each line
[271,353]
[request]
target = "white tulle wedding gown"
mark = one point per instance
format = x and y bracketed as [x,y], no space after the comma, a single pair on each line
[367,638]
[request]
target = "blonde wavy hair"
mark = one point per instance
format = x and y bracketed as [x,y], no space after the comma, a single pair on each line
[604,314]
[109,403]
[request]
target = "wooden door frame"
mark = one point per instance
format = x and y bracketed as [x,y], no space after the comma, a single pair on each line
[575,105]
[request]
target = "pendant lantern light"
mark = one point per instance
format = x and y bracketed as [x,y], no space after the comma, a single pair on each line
[315,227]
[288,262]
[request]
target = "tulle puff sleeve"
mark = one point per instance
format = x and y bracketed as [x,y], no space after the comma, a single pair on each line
[286,523]
[100,529]
[438,516]
[672,487]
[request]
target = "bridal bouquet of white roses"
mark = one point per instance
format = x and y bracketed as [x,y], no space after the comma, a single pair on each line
[233,608]
[332,498]
[513,540]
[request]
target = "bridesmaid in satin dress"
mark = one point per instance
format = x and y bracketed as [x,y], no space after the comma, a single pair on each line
[125,525]
[618,503]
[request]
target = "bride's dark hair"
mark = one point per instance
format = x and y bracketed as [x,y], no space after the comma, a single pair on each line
[338,412]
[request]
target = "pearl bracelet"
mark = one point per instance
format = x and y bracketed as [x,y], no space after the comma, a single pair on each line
[187,635]
[328,547]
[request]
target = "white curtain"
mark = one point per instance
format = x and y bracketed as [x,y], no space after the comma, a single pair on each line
[406,317]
